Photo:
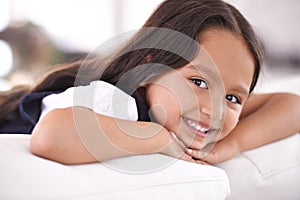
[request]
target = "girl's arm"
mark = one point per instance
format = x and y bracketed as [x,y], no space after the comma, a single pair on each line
[78,135]
[265,118]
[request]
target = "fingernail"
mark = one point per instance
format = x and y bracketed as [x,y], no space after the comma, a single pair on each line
[174,135]
[189,150]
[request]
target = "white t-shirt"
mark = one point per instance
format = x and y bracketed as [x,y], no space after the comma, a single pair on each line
[99,96]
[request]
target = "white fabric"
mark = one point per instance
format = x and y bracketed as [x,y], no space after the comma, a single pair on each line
[271,172]
[99,96]
[28,177]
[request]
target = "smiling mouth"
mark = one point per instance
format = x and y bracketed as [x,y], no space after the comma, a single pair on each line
[197,127]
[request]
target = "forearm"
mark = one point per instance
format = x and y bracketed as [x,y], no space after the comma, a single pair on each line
[277,118]
[78,135]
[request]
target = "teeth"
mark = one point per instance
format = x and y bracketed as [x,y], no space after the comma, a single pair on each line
[196,126]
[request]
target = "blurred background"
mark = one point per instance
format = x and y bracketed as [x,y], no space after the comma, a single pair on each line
[35,35]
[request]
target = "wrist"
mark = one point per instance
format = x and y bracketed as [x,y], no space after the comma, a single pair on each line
[155,137]
[236,145]
[233,143]
[161,140]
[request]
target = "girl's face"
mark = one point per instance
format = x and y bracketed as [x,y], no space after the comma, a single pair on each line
[181,100]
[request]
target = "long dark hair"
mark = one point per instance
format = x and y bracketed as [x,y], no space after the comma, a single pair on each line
[189,17]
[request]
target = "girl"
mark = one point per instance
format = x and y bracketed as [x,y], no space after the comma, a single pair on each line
[191,102]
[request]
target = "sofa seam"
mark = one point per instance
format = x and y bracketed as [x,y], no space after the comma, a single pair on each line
[252,185]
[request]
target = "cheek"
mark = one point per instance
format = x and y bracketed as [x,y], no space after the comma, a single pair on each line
[231,120]
[163,105]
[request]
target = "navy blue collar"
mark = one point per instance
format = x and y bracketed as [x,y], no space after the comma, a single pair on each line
[142,107]
[23,120]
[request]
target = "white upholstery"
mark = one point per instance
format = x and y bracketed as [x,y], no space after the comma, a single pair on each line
[271,172]
[25,176]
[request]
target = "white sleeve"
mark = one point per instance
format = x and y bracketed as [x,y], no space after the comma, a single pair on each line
[99,96]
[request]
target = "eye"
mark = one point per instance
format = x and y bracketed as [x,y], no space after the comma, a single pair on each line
[233,99]
[200,83]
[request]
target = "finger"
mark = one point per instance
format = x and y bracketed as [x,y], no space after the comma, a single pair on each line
[187,158]
[178,140]
[191,159]
[177,149]
[198,156]
[202,162]
[195,153]
[174,149]
[212,158]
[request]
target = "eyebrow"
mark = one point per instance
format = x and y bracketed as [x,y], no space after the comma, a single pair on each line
[201,69]
[241,90]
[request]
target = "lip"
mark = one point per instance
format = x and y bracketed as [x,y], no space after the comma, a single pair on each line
[199,128]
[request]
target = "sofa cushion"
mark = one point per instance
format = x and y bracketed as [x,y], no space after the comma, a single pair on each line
[25,176]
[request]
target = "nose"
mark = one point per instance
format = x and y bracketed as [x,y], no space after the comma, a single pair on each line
[206,110]
[205,105]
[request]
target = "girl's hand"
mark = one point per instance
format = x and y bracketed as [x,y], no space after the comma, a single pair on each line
[220,152]
[174,147]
